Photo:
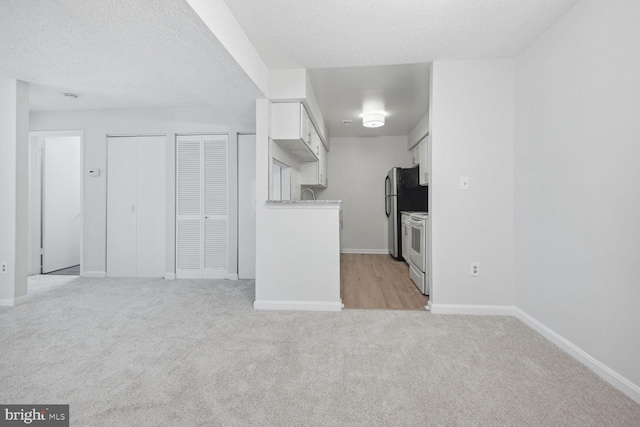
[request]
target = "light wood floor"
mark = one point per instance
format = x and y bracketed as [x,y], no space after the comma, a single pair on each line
[378,282]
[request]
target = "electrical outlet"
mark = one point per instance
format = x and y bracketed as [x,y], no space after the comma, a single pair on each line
[4,268]
[475,269]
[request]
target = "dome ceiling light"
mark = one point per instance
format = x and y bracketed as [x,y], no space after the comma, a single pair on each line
[373,119]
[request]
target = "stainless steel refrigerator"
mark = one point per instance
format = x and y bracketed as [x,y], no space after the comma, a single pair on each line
[402,192]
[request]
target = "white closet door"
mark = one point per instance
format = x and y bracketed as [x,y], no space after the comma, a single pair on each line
[202,206]
[151,206]
[121,207]
[136,206]
[189,207]
[215,192]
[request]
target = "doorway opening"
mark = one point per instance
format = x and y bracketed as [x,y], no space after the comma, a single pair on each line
[55,202]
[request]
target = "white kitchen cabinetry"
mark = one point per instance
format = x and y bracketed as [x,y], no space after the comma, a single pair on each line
[315,173]
[424,160]
[136,206]
[201,206]
[415,155]
[292,130]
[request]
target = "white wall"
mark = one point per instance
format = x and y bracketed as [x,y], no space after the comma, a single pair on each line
[419,132]
[14,189]
[472,120]
[357,168]
[577,182]
[96,124]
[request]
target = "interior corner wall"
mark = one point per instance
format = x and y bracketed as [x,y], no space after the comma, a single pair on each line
[577,181]
[14,190]
[357,167]
[263,229]
[472,121]
[97,124]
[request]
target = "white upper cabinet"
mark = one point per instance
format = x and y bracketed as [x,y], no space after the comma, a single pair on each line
[415,155]
[424,160]
[293,131]
[315,173]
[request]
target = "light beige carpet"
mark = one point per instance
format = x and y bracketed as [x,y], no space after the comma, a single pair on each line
[186,352]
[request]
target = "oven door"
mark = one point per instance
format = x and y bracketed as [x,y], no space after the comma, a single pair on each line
[417,242]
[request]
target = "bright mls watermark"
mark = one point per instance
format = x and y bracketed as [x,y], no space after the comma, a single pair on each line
[37,415]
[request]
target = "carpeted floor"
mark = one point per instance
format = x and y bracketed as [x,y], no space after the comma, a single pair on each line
[185,353]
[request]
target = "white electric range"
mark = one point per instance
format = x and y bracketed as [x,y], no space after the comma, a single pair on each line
[418,248]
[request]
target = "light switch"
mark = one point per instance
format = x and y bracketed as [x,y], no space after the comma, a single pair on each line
[464,183]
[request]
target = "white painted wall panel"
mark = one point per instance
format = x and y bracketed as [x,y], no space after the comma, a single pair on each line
[577,199]
[472,117]
[14,189]
[246,206]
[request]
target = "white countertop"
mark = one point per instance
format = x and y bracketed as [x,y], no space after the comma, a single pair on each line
[303,202]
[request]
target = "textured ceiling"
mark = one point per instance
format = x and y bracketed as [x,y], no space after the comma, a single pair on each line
[338,33]
[120,54]
[341,92]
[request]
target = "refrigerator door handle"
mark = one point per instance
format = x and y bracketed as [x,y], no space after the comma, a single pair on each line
[387,203]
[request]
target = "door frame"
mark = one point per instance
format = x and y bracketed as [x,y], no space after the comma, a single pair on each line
[36,139]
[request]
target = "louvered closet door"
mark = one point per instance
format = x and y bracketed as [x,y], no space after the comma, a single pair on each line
[202,204]
[215,206]
[189,212]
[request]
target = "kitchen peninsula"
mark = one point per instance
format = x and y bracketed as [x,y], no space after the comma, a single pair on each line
[304,271]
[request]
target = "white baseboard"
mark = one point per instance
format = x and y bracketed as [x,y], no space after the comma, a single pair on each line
[170,276]
[232,276]
[12,302]
[365,251]
[484,310]
[609,375]
[298,305]
[94,274]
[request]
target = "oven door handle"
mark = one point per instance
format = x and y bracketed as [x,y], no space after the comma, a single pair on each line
[417,222]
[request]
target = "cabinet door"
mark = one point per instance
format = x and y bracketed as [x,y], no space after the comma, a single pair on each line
[323,166]
[424,160]
[305,126]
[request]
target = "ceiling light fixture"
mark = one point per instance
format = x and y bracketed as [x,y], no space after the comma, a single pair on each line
[373,119]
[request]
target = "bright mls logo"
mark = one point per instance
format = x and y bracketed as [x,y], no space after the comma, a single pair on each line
[38,415]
